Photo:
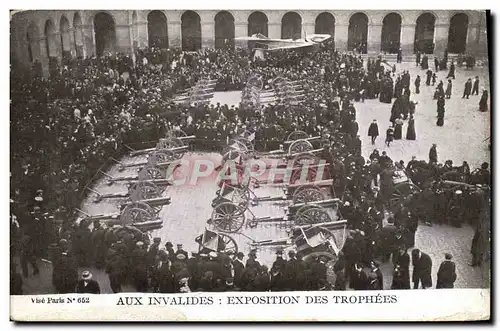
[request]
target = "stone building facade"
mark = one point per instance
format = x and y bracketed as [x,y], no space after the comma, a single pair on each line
[43,36]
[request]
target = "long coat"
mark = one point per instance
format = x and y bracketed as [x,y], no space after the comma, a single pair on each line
[446,275]
[373,130]
[422,269]
[91,287]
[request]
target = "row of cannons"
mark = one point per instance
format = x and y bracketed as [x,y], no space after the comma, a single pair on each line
[254,94]
[145,196]
[200,93]
[311,214]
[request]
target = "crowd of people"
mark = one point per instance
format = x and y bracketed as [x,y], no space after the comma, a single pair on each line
[84,112]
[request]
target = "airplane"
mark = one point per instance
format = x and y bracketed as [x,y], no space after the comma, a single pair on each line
[260,41]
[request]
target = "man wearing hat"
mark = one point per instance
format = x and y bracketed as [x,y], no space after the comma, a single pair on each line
[238,268]
[181,251]
[98,245]
[422,268]
[139,266]
[252,260]
[170,250]
[87,285]
[291,271]
[446,275]
[153,252]
[280,262]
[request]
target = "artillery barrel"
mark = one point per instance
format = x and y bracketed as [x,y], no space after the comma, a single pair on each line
[322,203]
[324,224]
[142,151]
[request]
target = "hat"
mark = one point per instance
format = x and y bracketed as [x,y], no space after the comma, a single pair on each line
[229,281]
[212,254]
[448,256]
[86,275]
[240,255]
[458,192]
[291,253]
[169,244]
[157,239]
[280,252]
[180,257]
[139,244]
[179,245]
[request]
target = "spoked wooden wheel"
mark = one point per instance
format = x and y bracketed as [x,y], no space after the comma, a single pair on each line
[256,82]
[297,135]
[308,193]
[241,197]
[245,141]
[311,214]
[151,172]
[304,158]
[238,144]
[137,212]
[170,144]
[161,156]
[232,154]
[401,192]
[227,244]
[228,217]
[300,146]
[144,190]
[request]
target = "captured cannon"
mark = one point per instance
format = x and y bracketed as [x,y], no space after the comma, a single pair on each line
[211,241]
[136,192]
[150,173]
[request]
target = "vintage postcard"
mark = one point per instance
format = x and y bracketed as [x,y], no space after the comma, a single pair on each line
[250,165]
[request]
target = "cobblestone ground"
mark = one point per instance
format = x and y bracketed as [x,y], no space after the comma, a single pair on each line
[461,138]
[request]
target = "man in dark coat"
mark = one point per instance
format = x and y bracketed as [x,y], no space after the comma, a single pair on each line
[467,89]
[28,255]
[98,245]
[280,262]
[417,84]
[359,279]
[436,64]
[238,268]
[116,267]
[291,271]
[139,267]
[433,154]
[446,275]
[418,58]
[87,285]
[422,269]
[475,86]
[373,131]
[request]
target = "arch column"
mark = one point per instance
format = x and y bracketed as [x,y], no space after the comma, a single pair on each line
[142,34]
[58,46]
[88,40]
[341,36]
[123,38]
[44,57]
[274,30]
[374,38]
[72,48]
[207,34]
[407,40]
[441,38]
[240,30]
[174,34]
[308,28]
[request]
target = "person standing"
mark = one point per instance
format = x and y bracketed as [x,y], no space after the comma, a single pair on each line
[436,64]
[410,130]
[446,275]
[451,72]
[398,129]
[448,89]
[417,84]
[429,76]
[422,268]
[418,57]
[433,157]
[475,86]
[467,88]
[399,57]
[373,131]
[359,279]
[27,250]
[483,102]
[440,110]
[389,136]
[87,285]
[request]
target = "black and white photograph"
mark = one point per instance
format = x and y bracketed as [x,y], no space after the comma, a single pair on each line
[199,151]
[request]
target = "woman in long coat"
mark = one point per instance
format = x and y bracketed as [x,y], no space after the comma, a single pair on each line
[398,129]
[448,89]
[410,131]
[389,136]
[483,103]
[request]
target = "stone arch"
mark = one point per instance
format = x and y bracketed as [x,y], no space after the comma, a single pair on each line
[32,37]
[105,33]
[157,29]
[325,24]
[50,37]
[291,25]
[78,34]
[391,33]
[224,30]
[457,34]
[64,28]
[424,33]
[358,32]
[191,31]
[258,23]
